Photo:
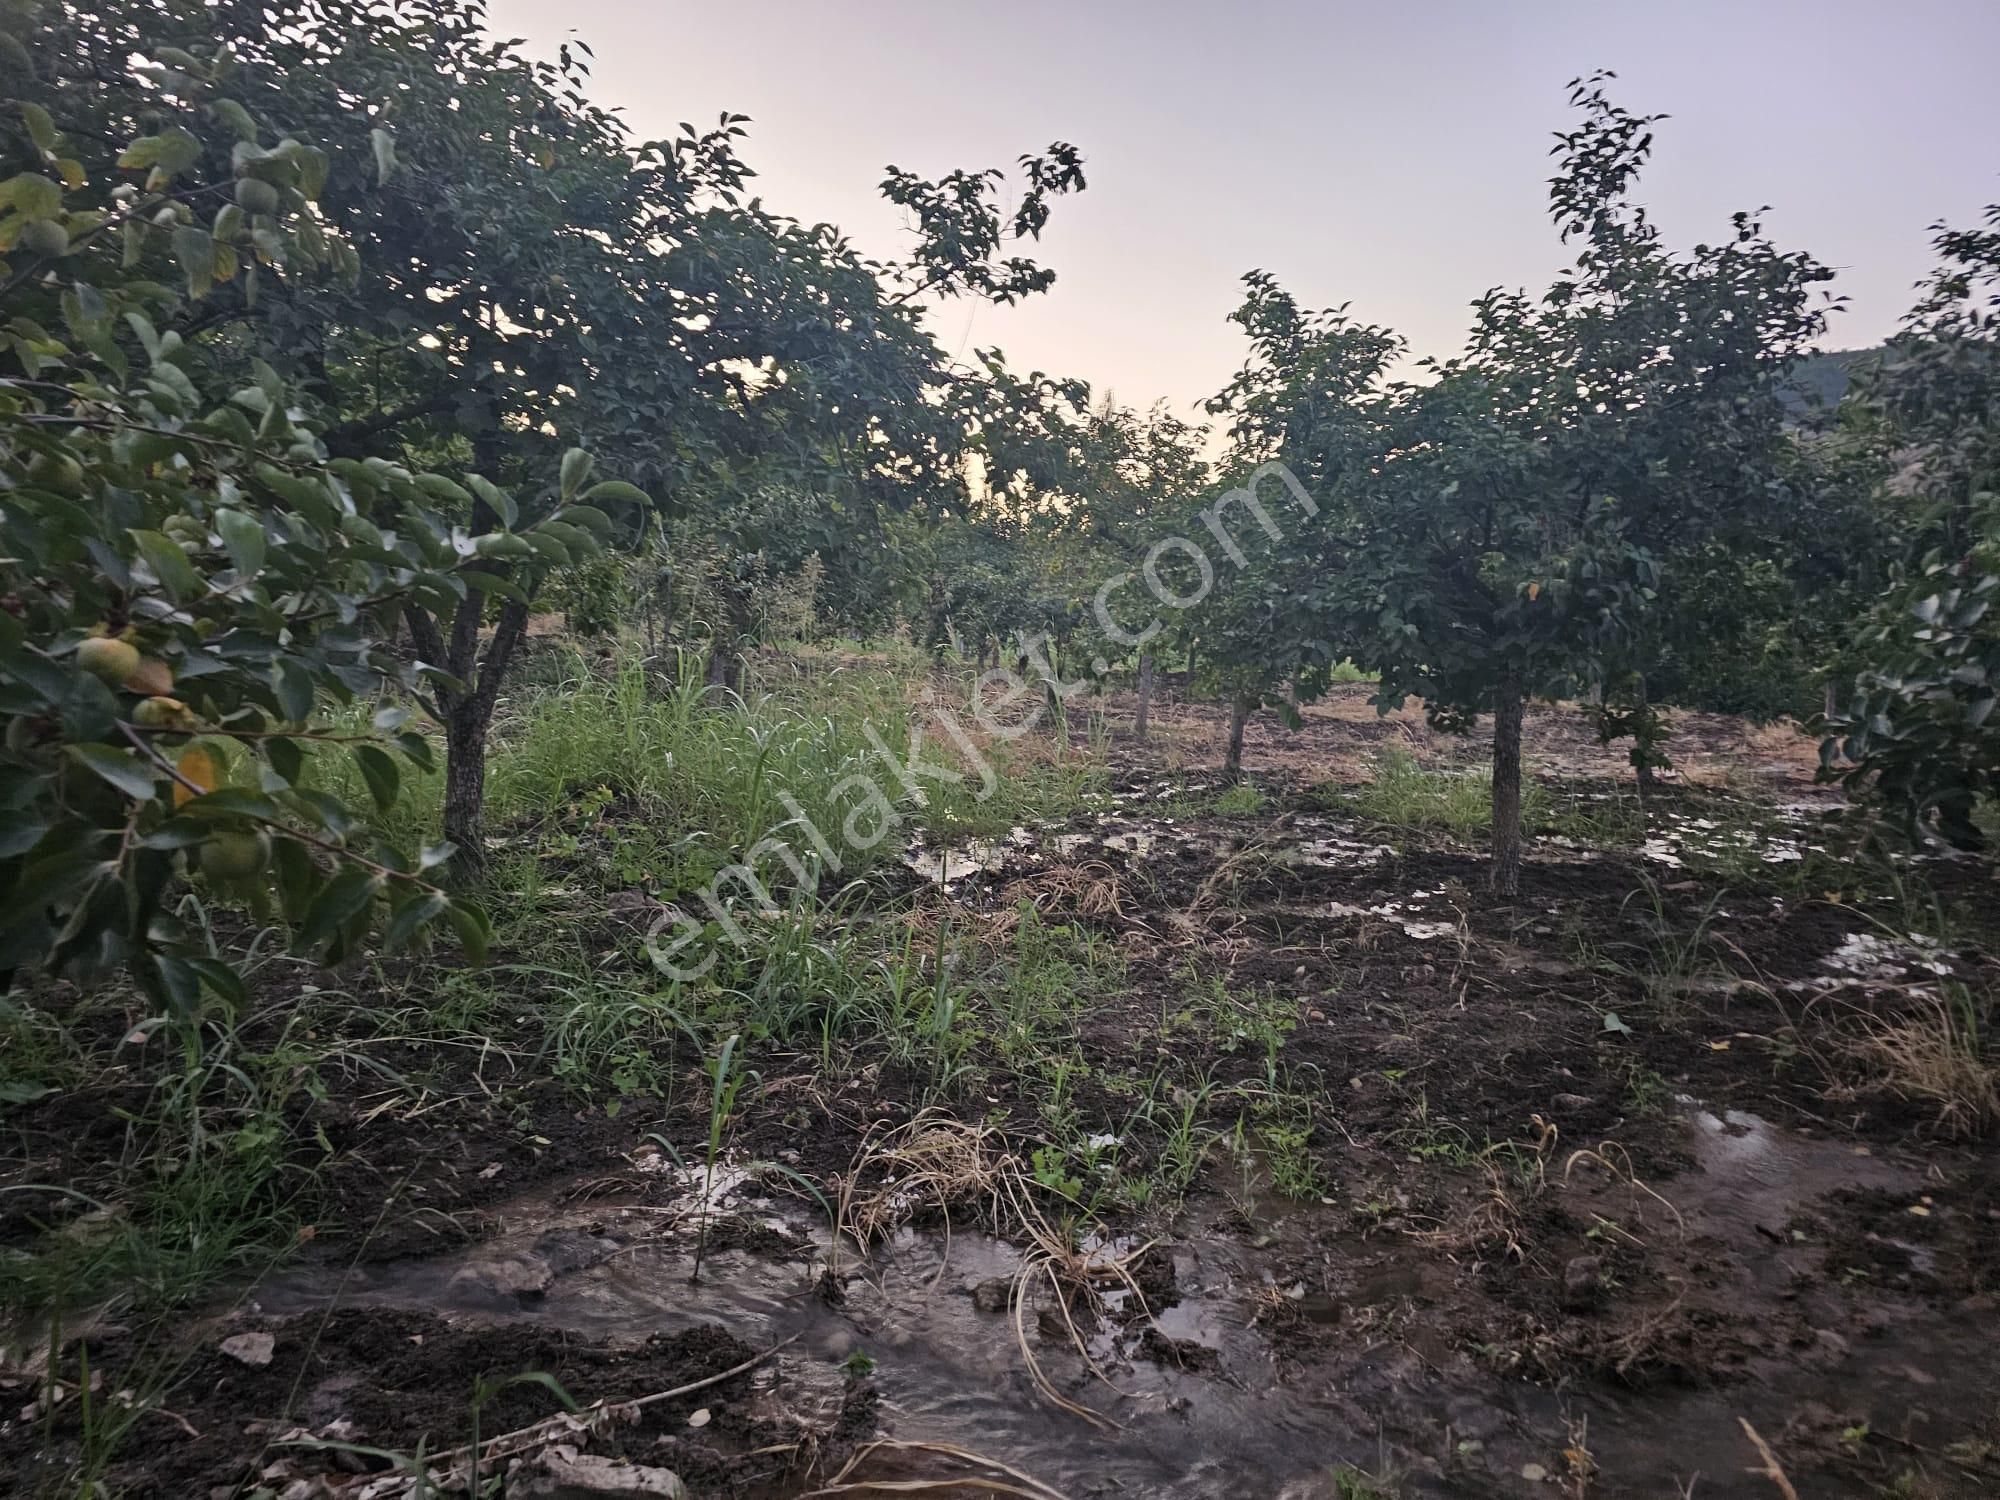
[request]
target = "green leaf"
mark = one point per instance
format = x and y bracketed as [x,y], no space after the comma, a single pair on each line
[194,249]
[491,583]
[378,769]
[170,565]
[294,686]
[223,980]
[41,129]
[589,516]
[412,916]
[233,802]
[441,488]
[342,898]
[313,165]
[616,492]
[287,758]
[178,833]
[502,502]
[474,931]
[298,877]
[243,534]
[135,778]
[20,830]
[177,151]
[548,549]
[32,196]
[575,469]
[178,981]
[417,748]
[236,117]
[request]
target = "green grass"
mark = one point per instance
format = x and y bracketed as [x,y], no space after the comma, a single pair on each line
[214,1175]
[1403,794]
[607,781]
[1350,1483]
[1242,800]
[656,783]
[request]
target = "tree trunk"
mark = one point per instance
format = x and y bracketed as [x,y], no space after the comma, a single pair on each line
[465,784]
[468,716]
[1145,710]
[1505,876]
[1239,715]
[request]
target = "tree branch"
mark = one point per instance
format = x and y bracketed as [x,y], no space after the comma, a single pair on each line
[507,634]
[348,439]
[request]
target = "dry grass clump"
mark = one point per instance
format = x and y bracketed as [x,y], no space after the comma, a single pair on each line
[1235,872]
[1937,1053]
[1090,889]
[936,1163]
[931,1163]
[1492,1226]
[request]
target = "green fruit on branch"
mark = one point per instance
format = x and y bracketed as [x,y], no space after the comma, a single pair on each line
[112,662]
[45,237]
[56,471]
[162,712]
[235,856]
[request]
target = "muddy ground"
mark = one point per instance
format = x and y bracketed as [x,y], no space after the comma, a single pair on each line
[1607,1189]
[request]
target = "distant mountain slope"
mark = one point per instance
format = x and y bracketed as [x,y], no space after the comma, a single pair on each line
[1823,378]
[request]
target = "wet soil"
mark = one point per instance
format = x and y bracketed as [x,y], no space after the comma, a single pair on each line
[1581,1208]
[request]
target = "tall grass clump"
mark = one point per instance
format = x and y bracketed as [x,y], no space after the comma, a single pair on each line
[730,772]
[1402,794]
[694,779]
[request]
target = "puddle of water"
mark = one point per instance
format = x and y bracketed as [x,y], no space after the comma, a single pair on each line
[947,1371]
[1754,1172]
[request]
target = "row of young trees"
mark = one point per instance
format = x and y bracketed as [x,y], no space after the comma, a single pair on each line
[338,338]
[1614,494]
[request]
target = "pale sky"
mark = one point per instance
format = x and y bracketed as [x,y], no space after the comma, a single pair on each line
[1391,156]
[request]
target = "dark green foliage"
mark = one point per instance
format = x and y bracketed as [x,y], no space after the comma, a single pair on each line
[189,575]
[521,279]
[1920,731]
